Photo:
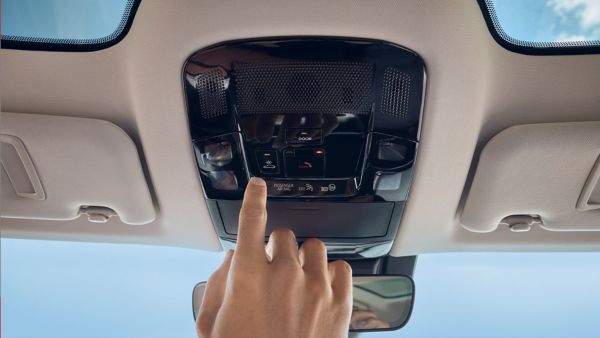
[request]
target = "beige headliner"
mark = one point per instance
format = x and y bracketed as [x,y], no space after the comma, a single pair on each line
[475,89]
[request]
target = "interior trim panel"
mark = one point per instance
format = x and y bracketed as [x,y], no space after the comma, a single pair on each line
[475,89]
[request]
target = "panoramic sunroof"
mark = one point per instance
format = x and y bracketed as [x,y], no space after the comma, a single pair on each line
[545,26]
[71,25]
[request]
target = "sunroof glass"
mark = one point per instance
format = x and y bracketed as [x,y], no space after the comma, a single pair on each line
[46,23]
[546,23]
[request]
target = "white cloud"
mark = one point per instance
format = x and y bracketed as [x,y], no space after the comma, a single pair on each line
[570,38]
[588,11]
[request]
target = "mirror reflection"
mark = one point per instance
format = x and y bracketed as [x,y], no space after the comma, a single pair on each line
[380,302]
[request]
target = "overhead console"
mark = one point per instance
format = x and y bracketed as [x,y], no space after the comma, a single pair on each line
[331,124]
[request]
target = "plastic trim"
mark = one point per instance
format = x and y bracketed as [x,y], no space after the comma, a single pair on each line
[585,201]
[30,173]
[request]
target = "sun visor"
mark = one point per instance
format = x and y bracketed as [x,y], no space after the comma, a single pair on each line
[546,175]
[59,168]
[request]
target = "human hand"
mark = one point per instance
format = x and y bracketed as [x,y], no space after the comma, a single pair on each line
[282,291]
[367,320]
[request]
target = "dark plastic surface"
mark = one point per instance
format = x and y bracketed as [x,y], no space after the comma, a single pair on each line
[291,97]
[330,123]
[311,188]
[318,219]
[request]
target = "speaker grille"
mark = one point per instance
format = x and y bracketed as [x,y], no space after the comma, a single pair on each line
[396,93]
[303,87]
[211,88]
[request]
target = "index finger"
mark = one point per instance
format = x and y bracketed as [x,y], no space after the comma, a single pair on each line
[252,222]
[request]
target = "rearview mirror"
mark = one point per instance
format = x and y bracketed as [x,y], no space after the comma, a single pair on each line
[381,302]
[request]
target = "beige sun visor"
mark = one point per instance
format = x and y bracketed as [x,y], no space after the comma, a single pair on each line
[546,174]
[58,168]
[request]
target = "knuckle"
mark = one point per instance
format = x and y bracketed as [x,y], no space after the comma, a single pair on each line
[344,304]
[318,288]
[252,213]
[314,245]
[287,269]
[282,233]
[203,325]
[341,267]
[214,278]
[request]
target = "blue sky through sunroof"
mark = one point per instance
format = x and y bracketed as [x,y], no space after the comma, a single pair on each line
[61,19]
[550,20]
[527,20]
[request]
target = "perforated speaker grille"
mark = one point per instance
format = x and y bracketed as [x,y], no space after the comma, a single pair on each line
[304,87]
[396,92]
[211,88]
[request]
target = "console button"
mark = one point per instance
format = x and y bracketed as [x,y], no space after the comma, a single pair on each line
[328,188]
[311,188]
[305,163]
[305,166]
[303,135]
[292,188]
[307,188]
[267,161]
[281,188]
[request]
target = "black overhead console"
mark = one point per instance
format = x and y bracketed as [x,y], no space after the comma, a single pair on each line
[331,124]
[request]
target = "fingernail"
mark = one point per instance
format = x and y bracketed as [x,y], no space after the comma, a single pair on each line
[257,181]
